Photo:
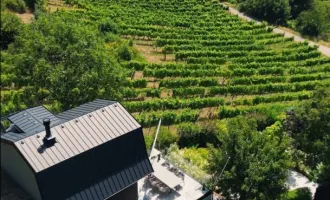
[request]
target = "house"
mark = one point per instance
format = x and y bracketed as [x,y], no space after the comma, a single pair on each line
[92,152]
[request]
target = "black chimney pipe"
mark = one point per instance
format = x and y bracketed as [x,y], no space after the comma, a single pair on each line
[47,127]
[49,139]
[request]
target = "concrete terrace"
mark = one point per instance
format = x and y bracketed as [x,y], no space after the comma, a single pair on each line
[182,188]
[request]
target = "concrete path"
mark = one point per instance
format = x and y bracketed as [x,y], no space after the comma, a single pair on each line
[297,180]
[323,49]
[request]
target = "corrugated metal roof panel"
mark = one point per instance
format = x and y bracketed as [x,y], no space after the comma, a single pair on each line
[79,135]
[30,122]
[9,136]
[84,109]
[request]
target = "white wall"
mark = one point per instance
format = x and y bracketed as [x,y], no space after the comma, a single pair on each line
[15,166]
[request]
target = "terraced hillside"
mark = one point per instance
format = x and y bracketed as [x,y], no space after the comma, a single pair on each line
[204,63]
[188,62]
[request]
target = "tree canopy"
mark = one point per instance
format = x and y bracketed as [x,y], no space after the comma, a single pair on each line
[309,126]
[62,60]
[258,162]
[315,21]
[10,27]
[309,17]
[273,11]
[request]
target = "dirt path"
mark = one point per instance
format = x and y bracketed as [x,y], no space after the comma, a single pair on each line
[152,56]
[323,49]
[26,17]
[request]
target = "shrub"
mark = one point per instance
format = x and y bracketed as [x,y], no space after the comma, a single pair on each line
[15,5]
[108,26]
[300,194]
[270,10]
[166,138]
[188,134]
[149,139]
[315,21]
[124,53]
[130,43]
[199,135]
[10,26]
[308,23]
[110,37]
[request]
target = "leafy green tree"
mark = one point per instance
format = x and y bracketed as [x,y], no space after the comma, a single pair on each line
[299,194]
[255,163]
[298,6]
[315,21]
[14,5]
[270,10]
[106,26]
[309,126]
[67,59]
[10,27]
[124,53]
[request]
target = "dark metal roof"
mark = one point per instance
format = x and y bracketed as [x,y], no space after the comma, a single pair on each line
[29,122]
[84,109]
[99,151]
[98,173]
[77,136]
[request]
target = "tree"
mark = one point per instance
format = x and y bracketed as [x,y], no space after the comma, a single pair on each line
[14,5]
[67,59]
[309,126]
[315,21]
[298,6]
[299,194]
[258,162]
[270,10]
[124,53]
[10,26]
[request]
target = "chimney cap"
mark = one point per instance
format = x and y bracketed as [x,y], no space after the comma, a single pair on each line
[46,121]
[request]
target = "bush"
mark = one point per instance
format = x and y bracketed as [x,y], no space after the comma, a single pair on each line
[300,194]
[30,3]
[108,26]
[149,139]
[308,23]
[298,6]
[315,22]
[124,53]
[188,134]
[10,26]
[191,134]
[15,5]
[270,10]
[130,43]
[166,138]
[110,37]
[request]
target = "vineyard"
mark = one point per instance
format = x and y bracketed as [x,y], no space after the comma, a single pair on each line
[212,65]
[188,62]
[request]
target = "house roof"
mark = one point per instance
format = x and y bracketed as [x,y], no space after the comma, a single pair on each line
[84,109]
[77,136]
[99,151]
[29,122]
